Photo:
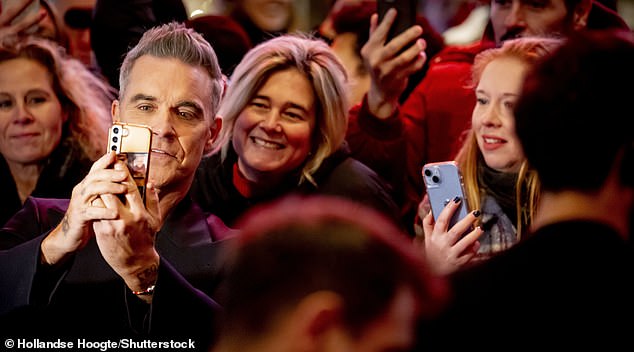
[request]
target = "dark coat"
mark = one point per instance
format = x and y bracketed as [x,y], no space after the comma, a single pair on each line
[339,175]
[65,168]
[567,285]
[85,297]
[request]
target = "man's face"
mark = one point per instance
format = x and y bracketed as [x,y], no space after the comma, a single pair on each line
[173,101]
[76,24]
[269,15]
[523,18]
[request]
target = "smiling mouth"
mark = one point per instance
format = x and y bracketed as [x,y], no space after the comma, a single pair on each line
[267,144]
[162,152]
[493,140]
[25,135]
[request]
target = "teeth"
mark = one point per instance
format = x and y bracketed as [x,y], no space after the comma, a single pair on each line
[158,151]
[493,140]
[266,144]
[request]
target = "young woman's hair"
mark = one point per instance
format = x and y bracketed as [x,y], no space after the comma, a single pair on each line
[317,62]
[85,98]
[529,51]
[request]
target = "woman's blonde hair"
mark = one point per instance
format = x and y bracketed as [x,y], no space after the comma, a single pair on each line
[85,98]
[469,157]
[316,61]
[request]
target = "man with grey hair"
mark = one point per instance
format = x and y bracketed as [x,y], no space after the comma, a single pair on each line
[105,263]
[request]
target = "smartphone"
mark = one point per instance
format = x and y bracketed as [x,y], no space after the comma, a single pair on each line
[405,17]
[443,182]
[32,8]
[132,144]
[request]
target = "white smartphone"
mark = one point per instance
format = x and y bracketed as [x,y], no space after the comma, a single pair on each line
[132,143]
[443,182]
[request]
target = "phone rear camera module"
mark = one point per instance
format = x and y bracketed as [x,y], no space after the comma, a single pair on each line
[435,178]
[428,173]
[114,147]
[115,130]
[115,139]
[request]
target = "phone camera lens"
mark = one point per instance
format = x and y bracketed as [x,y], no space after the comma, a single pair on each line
[115,130]
[427,172]
[115,139]
[114,147]
[436,179]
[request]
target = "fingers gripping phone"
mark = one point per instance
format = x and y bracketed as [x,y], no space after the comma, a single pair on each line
[132,144]
[443,182]
[405,16]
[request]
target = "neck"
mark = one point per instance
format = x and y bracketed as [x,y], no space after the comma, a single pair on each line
[610,208]
[25,177]
[168,200]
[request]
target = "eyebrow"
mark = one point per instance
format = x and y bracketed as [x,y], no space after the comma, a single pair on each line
[482,91]
[138,97]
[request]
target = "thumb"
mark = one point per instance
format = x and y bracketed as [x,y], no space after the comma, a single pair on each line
[152,201]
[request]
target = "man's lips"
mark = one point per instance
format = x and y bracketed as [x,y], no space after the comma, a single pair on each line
[161,152]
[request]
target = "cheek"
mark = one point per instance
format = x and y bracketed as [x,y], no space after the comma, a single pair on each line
[244,124]
[52,121]
[476,117]
[240,131]
[300,137]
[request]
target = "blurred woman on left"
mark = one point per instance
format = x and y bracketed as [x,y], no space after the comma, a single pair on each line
[54,116]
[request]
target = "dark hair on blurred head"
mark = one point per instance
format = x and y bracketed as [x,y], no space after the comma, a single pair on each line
[297,246]
[574,115]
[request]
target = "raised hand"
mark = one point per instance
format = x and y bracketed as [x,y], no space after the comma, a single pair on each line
[9,13]
[390,64]
[127,241]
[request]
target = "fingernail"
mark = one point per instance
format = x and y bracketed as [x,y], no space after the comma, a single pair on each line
[476,213]
[456,200]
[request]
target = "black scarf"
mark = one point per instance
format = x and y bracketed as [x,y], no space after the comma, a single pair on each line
[500,186]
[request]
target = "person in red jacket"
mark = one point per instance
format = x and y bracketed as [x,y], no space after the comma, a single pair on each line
[429,125]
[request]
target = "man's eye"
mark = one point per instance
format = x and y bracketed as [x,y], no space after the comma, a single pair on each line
[188,115]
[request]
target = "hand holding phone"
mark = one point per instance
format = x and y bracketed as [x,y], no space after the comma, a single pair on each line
[405,15]
[132,144]
[443,182]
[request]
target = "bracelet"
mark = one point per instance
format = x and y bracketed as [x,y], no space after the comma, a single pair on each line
[148,291]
